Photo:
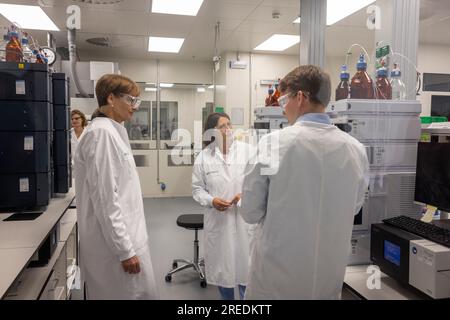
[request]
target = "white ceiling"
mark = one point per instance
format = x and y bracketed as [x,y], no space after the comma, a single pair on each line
[243,25]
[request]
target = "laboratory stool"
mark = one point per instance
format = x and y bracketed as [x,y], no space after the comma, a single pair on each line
[190,222]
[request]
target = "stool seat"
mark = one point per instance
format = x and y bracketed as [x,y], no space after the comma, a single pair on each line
[191,221]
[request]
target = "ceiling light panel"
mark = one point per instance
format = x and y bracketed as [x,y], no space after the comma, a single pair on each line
[180,7]
[278,42]
[161,44]
[338,9]
[27,17]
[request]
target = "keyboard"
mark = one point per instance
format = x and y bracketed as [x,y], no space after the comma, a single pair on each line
[420,228]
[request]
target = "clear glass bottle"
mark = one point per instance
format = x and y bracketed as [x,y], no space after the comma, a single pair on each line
[28,55]
[398,87]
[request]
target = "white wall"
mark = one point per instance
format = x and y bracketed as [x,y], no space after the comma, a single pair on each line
[243,88]
[432,59]
[221,88]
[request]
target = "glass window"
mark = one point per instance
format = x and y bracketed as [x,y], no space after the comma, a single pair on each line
[168,118]
[138,127]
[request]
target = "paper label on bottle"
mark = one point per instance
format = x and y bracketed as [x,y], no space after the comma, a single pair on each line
[28,143]
[20,87]
[24,185]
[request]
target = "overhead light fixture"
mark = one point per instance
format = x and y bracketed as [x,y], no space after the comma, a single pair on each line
[150,83]
[296,20]
[211,87]
[201,90]
[338,9]
[150,89]
[180,7]
[166,85]
[161,44]
[278,42]
[27,17]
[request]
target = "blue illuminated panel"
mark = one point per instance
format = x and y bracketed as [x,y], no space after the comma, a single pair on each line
[392,252]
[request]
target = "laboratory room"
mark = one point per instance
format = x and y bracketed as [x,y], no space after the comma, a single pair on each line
[224,150]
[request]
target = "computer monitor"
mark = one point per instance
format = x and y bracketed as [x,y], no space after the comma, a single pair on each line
[433,175]
[440,106]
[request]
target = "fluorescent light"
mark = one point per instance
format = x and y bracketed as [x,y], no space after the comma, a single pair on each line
[278,42]
[338,9]
[27,17]
[211,87]
[161,44]
[181,7]
[296,20]
[166,85]
[150,89]
[201,89]
[150,83]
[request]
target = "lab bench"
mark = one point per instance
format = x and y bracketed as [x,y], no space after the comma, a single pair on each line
[20,241]
[358,282]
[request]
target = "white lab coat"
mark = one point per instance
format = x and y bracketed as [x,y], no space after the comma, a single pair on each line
[225,235]
[110,212]
[74,141]
[304,213]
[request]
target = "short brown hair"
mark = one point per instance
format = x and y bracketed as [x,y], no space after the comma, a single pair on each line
[81,114]
[115,84]
[311,79]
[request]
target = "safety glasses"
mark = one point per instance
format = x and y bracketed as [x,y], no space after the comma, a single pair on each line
[283,101]
[134,102]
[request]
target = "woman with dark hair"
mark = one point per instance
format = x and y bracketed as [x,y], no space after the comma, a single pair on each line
[79,122]
[114,252]
[217,185]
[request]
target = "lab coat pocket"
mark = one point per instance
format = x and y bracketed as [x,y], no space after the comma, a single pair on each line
[212,176]
[214,182]
[130,165]
[214,221]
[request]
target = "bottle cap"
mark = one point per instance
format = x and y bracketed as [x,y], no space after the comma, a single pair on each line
[344,73]
[396,73]
[382,72]
[362,64]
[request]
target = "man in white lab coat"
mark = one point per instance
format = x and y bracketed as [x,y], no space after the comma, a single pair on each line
[114,253]
[302,192]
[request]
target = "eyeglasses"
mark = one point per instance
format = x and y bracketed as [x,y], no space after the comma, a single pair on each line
[225,126]
[134,102]
[284,100]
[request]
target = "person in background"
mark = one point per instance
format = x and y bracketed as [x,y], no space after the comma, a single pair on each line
[114,251]
[79,122]
[305,205]
[217,185]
